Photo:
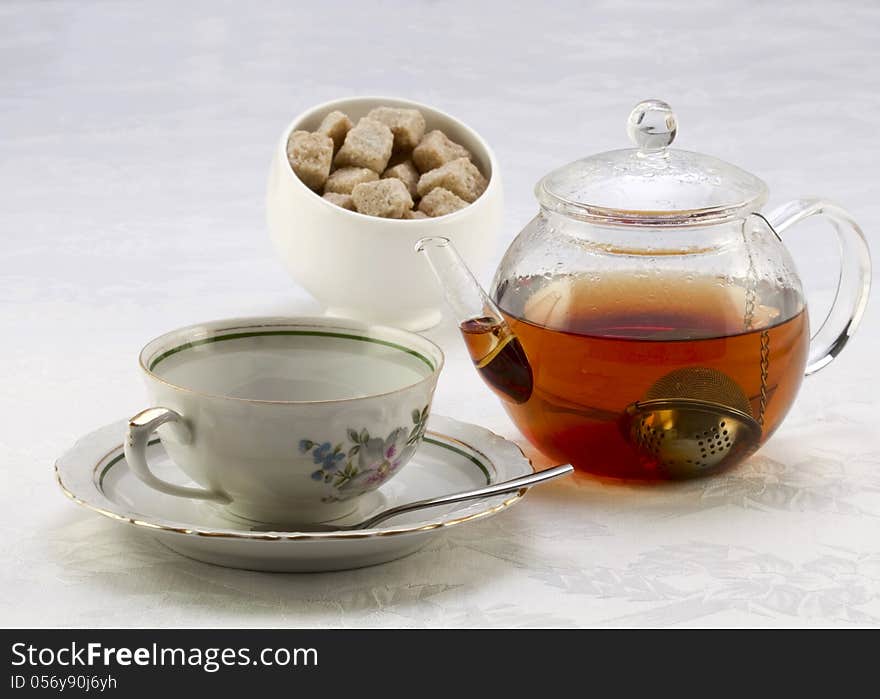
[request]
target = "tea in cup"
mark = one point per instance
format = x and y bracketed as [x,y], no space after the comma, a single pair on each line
[284,420]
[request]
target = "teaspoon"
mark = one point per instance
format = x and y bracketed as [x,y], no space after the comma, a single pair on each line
[523,482]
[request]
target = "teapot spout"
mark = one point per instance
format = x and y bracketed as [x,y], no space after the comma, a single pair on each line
[497,354]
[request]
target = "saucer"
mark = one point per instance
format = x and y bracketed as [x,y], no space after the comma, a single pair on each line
[454,456]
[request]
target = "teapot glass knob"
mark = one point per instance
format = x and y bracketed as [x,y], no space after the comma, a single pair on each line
[652,126]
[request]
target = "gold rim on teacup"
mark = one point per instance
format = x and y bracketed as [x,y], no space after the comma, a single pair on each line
[148,360]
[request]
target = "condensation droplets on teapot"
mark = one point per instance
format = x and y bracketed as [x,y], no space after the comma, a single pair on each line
[649,322]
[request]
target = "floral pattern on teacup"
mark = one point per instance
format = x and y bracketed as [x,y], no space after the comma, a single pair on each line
[369,460]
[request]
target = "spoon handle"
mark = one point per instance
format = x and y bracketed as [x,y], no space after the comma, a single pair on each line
[490,490]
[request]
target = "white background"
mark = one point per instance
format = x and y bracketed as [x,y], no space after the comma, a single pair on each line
[134,147]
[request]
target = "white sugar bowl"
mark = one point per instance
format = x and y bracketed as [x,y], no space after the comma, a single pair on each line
[364,267]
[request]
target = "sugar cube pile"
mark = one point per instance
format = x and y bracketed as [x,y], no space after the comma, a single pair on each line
[386,165]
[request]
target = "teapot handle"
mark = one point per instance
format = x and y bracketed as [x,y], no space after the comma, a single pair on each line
[853,283]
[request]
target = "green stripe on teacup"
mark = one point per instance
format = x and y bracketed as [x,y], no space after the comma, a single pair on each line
[436,442]
[305,333]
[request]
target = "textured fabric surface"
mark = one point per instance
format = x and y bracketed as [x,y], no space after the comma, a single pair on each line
[134,146]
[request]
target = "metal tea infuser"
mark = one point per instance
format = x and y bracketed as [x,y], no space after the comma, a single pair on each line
[699,418]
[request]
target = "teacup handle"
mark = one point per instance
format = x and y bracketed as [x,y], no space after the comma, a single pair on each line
[853,284]
[140,427]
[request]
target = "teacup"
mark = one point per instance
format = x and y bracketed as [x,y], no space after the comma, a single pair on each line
[284,420]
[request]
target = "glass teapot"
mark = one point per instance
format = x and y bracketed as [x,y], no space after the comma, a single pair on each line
[649,321]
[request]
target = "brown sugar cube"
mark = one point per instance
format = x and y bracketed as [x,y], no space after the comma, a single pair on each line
[399,157]
[386,198]
[343,200]
[310,155]
[439,202]
[335,125]
[435,150]
[407,125]
[368,145]
[460,177]
[343,180]
[405,172]
[415,214]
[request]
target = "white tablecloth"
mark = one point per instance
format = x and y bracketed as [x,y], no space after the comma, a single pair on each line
[134,147]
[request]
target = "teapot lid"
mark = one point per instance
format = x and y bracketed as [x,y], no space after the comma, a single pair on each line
[651,184]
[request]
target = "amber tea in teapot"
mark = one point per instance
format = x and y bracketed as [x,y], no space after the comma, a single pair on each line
[595,348]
